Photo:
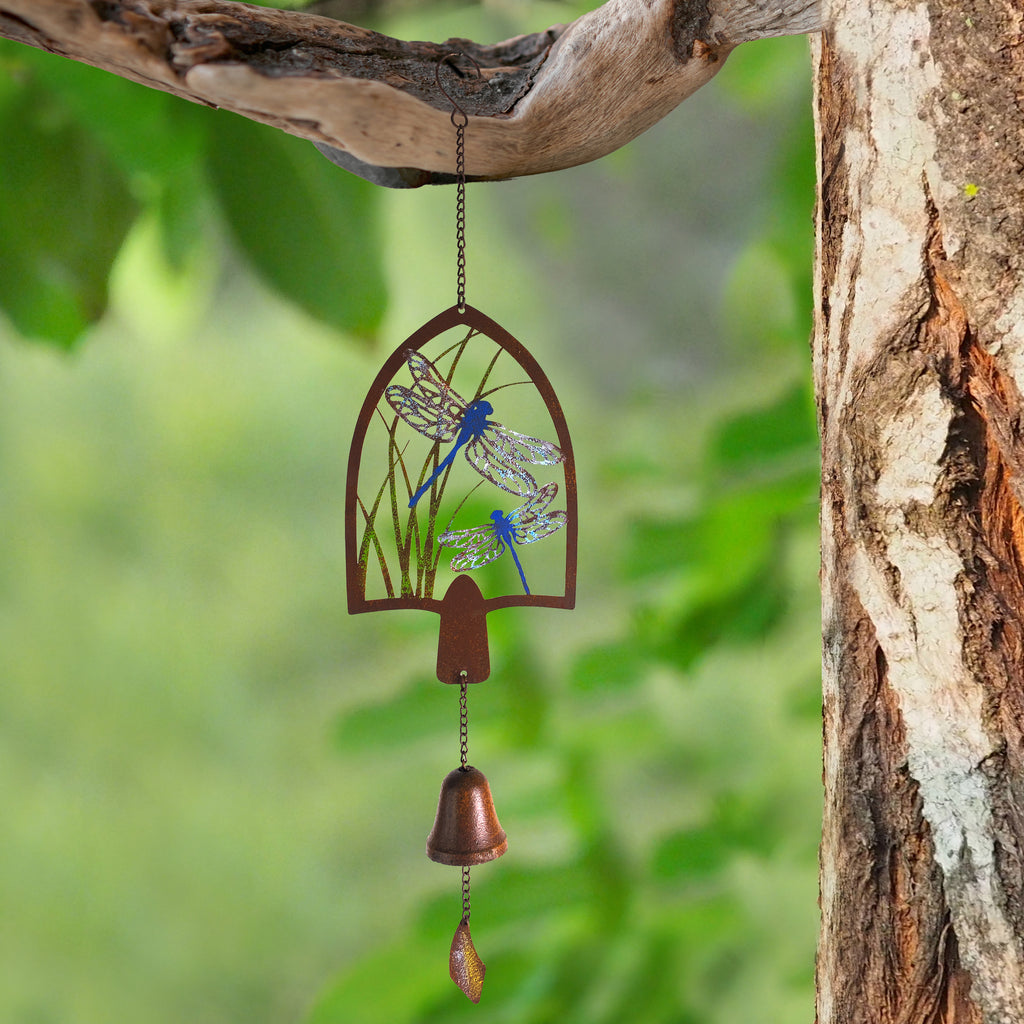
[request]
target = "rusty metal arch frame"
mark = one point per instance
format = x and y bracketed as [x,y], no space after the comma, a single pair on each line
[455,317]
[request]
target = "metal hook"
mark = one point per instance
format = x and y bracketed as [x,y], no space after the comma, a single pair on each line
[437,78]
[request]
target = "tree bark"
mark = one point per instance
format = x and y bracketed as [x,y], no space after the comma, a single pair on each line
[919,370]
[373,104]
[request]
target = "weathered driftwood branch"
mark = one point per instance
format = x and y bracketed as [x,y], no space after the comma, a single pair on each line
[539,103]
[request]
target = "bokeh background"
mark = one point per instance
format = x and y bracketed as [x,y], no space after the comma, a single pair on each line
[216,783]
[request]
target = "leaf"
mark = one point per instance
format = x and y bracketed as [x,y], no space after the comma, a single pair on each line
[739,822]
[723,542]
[413,714]
[692,853]
[157,140]
[68,208]
[518,896]
[144,131]
[759,302]
[765,80]
[743,614]
[655,991]
[465,967]
[310,229]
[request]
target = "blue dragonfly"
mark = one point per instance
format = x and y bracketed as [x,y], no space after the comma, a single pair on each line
[523,525]
[435,410]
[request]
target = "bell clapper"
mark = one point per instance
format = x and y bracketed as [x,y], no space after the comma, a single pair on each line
[466,968]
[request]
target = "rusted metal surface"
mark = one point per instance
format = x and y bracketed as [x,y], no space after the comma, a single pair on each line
[464,964]
[356,575]
[462,654]
[466,828]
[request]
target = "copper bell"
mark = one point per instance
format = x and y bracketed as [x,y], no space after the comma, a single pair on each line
[466,830]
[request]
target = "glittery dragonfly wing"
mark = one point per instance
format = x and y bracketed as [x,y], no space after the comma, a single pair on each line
[480,545]
[430,406]
[501,455]
[531,522]
[531,449]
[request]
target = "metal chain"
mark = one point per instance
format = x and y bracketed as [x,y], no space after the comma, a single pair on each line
[463,719]
[465,895]
[460,120]
[464,751]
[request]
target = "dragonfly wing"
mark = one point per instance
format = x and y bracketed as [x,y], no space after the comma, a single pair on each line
[430,406]
[499,462]
[422,412]
[531,522]
[480,545]
[530,449]
[534,506]
[542,526]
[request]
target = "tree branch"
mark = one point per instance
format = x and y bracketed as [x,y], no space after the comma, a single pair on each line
[539,103]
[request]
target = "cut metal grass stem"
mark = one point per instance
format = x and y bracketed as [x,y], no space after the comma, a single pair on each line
[418,554]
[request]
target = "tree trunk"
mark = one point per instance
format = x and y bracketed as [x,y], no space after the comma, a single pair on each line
[919,367]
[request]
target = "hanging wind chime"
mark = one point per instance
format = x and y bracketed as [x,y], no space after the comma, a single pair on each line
[437,490]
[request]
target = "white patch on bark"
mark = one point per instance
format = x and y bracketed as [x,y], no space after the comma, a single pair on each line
[889,155]
[880,289]
[831,899]
[917,624]
[1009,329]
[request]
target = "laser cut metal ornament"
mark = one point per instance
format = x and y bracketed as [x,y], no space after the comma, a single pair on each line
[439,487]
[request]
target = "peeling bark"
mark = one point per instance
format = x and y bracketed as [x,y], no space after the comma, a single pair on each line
[919,359]
[371,103]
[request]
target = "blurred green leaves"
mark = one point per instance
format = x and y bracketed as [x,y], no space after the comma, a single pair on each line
[726,556]
[87,153]
[412,715]
[65,213]
[309,230]
[653,756]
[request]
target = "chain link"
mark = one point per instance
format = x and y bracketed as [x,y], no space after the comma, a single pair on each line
[464,752]
[465,895]
[460,120]
[463,719]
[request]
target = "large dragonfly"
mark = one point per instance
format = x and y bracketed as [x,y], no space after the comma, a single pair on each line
[523,525]
[433,409]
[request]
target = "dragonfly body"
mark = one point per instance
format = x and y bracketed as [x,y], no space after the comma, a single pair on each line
[433,408]
[505,531]
[474,423]
[523,525]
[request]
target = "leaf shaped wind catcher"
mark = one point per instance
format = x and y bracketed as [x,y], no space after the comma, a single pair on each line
[461,483]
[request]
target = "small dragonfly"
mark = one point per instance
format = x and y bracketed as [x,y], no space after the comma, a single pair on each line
[433,409]
[523,525]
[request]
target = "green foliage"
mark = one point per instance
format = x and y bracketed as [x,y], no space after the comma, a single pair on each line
[66,211]
[411,716]
[88,153]
[222,783]
[761,481]
[310,231]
